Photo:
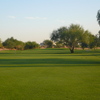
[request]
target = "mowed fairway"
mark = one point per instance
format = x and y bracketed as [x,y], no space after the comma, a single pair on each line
[50,74]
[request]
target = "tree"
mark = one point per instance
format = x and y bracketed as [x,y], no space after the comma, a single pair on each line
[31,45]
[88,41]
[98,16]
[12,43]
[20,45]
[92,42]
[35,45]
[97,39]
[84,45]
[95,42]
[1,44]
[98,19]
[69,36]
[48,43]
[59,45]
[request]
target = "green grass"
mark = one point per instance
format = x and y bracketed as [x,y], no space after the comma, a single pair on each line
[50,74]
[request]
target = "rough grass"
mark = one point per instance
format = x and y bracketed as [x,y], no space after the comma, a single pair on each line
[50,74]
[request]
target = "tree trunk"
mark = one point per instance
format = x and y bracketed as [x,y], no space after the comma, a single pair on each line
[72,50]
[83,48]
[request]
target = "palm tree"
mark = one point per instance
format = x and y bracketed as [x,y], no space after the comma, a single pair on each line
[98,19]
[98,16]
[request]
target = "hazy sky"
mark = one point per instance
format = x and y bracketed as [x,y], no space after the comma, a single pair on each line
[34,20]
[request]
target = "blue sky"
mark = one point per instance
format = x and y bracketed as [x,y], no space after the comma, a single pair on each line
[34,20]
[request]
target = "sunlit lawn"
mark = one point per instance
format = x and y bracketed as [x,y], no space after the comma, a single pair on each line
[50,74]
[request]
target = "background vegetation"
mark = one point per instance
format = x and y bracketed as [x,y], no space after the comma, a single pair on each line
[70,37]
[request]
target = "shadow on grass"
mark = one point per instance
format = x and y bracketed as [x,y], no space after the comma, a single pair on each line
[53,51]
[32,62]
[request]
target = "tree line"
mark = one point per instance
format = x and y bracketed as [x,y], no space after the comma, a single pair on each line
[12,43]
[74,36]
[71,37]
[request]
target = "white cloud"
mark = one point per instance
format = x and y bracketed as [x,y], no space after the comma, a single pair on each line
[13,17]
[29,18]
[36,18]
[44,18]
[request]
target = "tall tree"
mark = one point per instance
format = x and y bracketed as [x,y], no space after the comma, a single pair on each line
[70,36]
[98,16]
[98,19]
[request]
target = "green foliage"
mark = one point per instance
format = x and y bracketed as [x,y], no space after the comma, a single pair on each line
[20,45]
[97,40]
[12,43]
[48,43]
[59,45]
[91,41]
[84,45]
[98,16]
[1,44]
[31,45]
[70,36]
[9,43]
[92,45]
[86,37]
